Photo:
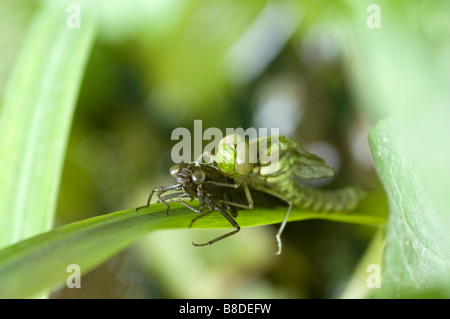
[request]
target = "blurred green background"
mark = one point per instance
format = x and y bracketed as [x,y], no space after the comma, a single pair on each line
[161,64]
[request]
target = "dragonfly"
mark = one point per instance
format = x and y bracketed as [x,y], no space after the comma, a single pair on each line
[272,165]
[215,192]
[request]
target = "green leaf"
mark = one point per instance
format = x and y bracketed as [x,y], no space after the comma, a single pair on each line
[416,257]
[90,242]
[399,73]
[35,121]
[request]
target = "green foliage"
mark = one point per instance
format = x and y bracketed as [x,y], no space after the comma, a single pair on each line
[90,242]
[35,121]
[398,72]
[416,255]
[409,147]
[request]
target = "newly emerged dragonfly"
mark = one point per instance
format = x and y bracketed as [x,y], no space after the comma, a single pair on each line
[271,165]
[214,190]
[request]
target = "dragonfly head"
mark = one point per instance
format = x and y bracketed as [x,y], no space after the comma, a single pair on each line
[187,173]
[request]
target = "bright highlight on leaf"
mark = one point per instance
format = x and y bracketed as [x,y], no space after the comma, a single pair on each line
[35,120]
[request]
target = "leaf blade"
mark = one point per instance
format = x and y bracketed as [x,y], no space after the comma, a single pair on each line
[416,258]
[36,117]
[90,242]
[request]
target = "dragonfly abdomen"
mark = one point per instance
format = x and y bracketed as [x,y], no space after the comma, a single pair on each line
[343,199]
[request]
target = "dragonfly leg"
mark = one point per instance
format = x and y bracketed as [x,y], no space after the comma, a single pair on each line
[175,195]
[284,222]
[200,216]
[249,198]
[235,185]
[248,195]
[199,210]
[280,230]
[201,203]
[181,194]
[159,191]
[228,217]
[148,201]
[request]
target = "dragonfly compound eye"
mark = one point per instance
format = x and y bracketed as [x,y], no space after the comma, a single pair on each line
[174,170]
[198,176]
